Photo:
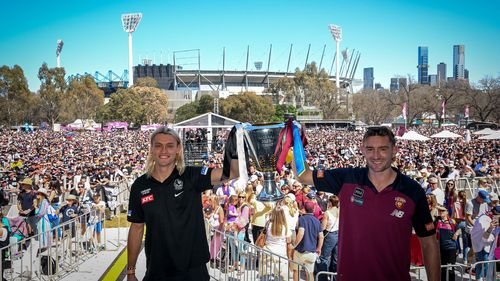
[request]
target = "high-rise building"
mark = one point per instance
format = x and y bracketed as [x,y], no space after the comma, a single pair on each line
[423,65]
[378,86]
[394,85]
[433,80]
[368,78]
[441,71]
[458,62]
[466,74]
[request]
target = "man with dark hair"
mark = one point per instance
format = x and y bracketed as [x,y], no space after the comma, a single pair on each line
[308,242]
[380,206]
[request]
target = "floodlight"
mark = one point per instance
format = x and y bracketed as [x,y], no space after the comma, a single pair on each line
[130,23]
[337,35]
[60,45]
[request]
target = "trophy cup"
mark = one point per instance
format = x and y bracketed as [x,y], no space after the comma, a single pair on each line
[261,141]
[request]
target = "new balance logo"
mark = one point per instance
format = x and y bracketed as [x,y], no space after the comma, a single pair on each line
[398,213]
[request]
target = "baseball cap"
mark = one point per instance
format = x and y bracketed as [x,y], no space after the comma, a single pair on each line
[493,196]
[484,195]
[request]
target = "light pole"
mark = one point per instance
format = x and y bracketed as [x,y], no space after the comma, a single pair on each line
[130,23]
[60,45]
[337,35]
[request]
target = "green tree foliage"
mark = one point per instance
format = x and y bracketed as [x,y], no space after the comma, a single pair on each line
[310,87]
[186,112]
[138,105]
[248,107]
[53,98]
[280,110]
[16,100]
[86,98]
[146,82]
[205,104]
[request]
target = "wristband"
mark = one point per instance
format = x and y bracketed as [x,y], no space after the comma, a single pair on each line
[131,270]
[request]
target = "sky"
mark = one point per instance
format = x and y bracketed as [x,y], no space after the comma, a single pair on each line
[386,33]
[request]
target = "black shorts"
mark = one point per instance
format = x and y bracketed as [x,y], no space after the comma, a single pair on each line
[193,274]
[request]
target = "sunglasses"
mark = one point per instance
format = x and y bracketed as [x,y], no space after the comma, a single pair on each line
[242,197]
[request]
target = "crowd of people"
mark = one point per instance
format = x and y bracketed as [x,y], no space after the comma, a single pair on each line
[56,170]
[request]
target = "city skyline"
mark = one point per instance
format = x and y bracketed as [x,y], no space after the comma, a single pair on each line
[382,32]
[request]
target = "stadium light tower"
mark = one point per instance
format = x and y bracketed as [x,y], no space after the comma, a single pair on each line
[130,23]
[60,45]
[337,35]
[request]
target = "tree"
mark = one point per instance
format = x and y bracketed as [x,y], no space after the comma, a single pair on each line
[53,98]
[86,98]
[485,100]
[146,82]
[280,110]
[309,87]
[248,107]
[15,96]
[139,105]
[186,112]
[371,107]
[205,104]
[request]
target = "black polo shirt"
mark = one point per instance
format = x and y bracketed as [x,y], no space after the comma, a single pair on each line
[375,227]
[175,230]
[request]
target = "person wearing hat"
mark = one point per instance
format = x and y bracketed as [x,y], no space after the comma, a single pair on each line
[474,208]
[433,187]
[447,236]
[69,211]
[25,206]
[484,233]
[42,206]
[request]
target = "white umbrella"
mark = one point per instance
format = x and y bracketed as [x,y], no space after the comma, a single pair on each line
[414,136]
[485,131]
[493,136]
[446,134]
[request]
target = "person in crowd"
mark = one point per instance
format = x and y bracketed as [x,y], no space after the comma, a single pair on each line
[447,234]
[459,218]
[450,196]
[308,242]
[239,228]
[431,201]
[167,199]
[98,208]
[358,190]
[25,204]
[224,191]
[330,226]
[278,236]
[258,220]
[483,233]
[4,243]
[69,210]
[41,205]
[231,209]
[474,208]
[216,221]
[433,188]
[291,211]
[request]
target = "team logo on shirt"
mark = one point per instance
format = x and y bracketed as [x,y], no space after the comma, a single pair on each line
[399,202]
[147,199]
[178,184]
[397,213]
[204,170]
[357,196]
[146,191]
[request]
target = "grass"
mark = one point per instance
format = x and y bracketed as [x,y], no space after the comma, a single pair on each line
[118,221]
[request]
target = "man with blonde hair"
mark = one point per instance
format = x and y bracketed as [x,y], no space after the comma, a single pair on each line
[167,199]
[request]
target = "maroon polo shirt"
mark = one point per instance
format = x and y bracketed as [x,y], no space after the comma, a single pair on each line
[375,227]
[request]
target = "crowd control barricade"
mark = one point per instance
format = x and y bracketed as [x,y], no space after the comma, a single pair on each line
[325,274]
[71,244]
[122,194]
[236,259]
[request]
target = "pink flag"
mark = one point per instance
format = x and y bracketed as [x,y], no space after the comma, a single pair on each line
[405,110]
[466,111]
[443,106]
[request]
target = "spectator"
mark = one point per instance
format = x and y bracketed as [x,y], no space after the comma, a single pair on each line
[41,206]
[25,206]
[330,227]
[447,234]
[434,189]
[308,242]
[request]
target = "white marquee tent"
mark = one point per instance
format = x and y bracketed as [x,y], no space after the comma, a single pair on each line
[413,136]
[446,134]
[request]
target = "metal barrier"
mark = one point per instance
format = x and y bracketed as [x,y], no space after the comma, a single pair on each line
[70,244]
[470,185]
[240,260]
[455,271]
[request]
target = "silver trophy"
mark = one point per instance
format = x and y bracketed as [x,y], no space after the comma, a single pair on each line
[261,141]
